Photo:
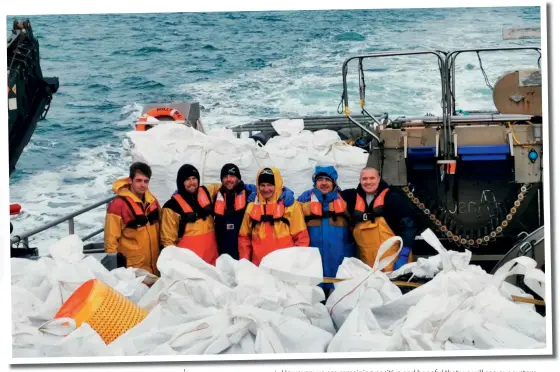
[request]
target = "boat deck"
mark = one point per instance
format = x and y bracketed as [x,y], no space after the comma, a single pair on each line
[311,123]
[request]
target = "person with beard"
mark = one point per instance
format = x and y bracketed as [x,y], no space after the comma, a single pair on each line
[230,204]
[132,222]
[187,220]
[268,224]
[328,221]
[379,213]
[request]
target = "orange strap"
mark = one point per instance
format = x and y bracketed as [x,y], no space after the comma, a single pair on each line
[360,204]
[152,207]
[380,200]
[338,205]
[202,198]
[240,201]
[183,204]
[276,210]
[256,212]
[316,206]
[135,207]
[220,203]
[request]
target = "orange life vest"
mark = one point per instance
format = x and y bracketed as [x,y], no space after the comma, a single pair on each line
[273,212]
[337,208]
[202,197]
[142,218]
[360,214]
[203,244]
[220,204]
[338,205]
[372,230]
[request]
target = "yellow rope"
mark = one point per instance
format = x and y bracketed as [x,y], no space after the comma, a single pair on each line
[515,138]
[416,285]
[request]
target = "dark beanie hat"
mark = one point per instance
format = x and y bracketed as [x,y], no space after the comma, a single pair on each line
[185,172]
[324,174]
[232,169]
[266,176]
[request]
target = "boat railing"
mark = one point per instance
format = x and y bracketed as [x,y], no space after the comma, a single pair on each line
[345,100]
[24,238]
[312,123]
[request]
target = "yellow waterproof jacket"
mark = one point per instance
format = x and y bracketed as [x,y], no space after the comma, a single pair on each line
[268,226]
[373,227]
[132,227]
[191,226]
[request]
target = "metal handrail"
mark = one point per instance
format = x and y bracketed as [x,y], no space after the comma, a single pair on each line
[438,53]
[450,65]
[449,79]
[70,218]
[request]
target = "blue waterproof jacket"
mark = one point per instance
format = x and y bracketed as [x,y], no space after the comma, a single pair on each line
[329,232]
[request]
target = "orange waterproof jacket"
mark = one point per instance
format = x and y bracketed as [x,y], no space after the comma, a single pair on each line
[132,227]
[182,227]
[269,225]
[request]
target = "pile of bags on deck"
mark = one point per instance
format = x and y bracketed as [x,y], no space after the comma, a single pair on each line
[194,308]
[233,308]
[462,307]
[296,151]
[238,308]
[40,287]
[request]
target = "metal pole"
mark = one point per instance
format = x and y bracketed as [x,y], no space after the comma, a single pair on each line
[465,119]
[365,129]
[71,226]
[452,112]
[23,237]
[539,204]
[96,232]
[446,111]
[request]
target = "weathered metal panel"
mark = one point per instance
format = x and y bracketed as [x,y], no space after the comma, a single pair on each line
[394,167]
[525,170]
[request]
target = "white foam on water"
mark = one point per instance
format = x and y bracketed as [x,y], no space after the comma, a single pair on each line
[47,196]
[131,113]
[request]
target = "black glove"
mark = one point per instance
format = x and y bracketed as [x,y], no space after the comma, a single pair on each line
[190,217]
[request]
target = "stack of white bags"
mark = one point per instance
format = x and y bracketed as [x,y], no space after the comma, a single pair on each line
[238,308]
[296,151]
[40,287]
[462,307]
[195,308]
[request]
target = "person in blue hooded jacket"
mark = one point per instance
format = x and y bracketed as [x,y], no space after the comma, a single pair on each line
[328,221]
[230,204]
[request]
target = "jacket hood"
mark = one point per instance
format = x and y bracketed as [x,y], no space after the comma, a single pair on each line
[278,185]
[326,198]
[121,187]
[330,171]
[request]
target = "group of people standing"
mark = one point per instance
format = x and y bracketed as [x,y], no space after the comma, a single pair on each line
[249,221]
